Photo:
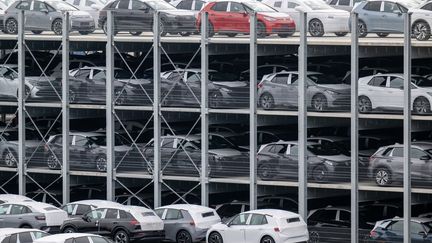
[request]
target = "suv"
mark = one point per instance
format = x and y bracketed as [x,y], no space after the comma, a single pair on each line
[232,18]
[386,165]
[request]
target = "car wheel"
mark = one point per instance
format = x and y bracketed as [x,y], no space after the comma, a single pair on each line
[231,35]
[69,230]
[364,105]
[185,33]
[267,239]
[210,30]
[266,101]
[101,164]
[183,237]
[121,237]
[57,27]
[25,226]
[362,29]
[319,103]
[266,172]
[84,32]
[135,33]
[314,237]
[421,31]
[162,29]
[422,106]
[215,237]
[316,28]
[10,159]
[11,26]
[52,162]
[120,97]
[72,96]
[37,32]
[340,34]
[164,97]
[261,30]
[382,177]
[283,35]
[319,173]
[382,35]
[215,100]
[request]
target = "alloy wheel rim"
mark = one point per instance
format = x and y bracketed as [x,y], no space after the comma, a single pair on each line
[57,27]
[184,238]
[382,177]
[69,230]
[420,30]
[316,28]
[121,238]
[12,26]
[421,106]
[101,164]
[266,102]
[268,240]
[265,172]
[319,174]
[52,163]
[215,238]
[363,105]
[10,159]
[318,104]
[361,28]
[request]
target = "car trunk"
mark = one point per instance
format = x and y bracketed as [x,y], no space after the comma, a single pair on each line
[205,220]
[55,217]
[293,227]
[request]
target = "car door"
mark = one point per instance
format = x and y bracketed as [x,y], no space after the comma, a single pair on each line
[169,154]
[292,90]
[291,160]
[376,91]
[280,161]
[40,17]
[256,227]
[420,165]
[122,16]
[238,17]
[392,19]
[171,219]
[79,152]
[219,16]
[8,82]
[17,215]
[91,222]
[108,222]
[236,230]
[278,88]
[4,211]
[192,88]
[141,16]
[371,15]
[187,158]
[394,97]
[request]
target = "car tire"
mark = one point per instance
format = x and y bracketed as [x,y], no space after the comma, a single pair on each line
[121,236]
[316,28]
[69,229]
[10,159]
[52,162]
[210,29]
[266,101]
[183,237]
[101,163]
[319,173]
[383,176]
[421,30]
[215,237]
[362,29]
[267,239]
[185,33]
[314,237]
[11,26]
[364,104]
[319,103]
[26,226]
[340,34]
[37,32]
[283,35]
[261,30]
[232,35]
[135,33]
[84,32]
[266,172]
[382,35]
[421,106]
[57,26]
[215,99]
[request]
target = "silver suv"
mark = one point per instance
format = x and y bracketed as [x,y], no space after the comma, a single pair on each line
[386,165]
[323,91]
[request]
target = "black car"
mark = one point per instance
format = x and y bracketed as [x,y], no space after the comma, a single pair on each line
[121,223]
[136,16]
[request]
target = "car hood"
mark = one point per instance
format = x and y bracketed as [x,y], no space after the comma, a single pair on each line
[336,158]
[225,152]
[28,143]
[336,87]
[231,84]
[178,12]
[275,15]
[42,81]
[136,81]
[79,13]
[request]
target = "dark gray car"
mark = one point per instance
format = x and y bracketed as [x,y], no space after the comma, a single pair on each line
[47,15]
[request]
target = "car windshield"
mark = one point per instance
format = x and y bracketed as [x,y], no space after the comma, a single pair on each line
[6,72]
[428,226]
[101,140]
[320,78]
[219,76]
[421,82]
[317,4]
[319,149]
[258,7]
[218,142]
[10,135]
[160,5]
[62,6]
[122,74]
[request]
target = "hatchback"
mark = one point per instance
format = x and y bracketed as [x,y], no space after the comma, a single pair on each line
[391,230]
[13,235]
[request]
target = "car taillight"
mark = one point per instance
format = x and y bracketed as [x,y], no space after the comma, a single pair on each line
[371,158]
[192,223]
[46,148]
[276,229]
[134,222]
[40,217]
[260,85]
[373,234]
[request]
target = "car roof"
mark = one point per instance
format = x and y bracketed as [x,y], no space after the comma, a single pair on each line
[421,145]
[8,231]
[187,207]
[198,70]
[86,134]
[276,213]
[332,138]
[98,203]
[62,237]
[415,219]
[99,68]
[40,206]
[14,197]
[185,137]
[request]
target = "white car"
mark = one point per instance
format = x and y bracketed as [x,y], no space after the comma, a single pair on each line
[7,198]
[185,222]
[31,214]
[191,5]
[321,17]
[385,92]
[79,208]
[92,7]
[73,238]
[343,4]
[257,226]
[17,235]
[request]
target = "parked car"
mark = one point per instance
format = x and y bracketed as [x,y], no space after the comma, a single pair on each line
[121,223]
[187,223]
[13,235]
[224,89]
[385,92]
[9,198]
[80,208]
[373,212]
[280,160]
[263,70]
[227,211]
[76,237]
[391,230]
[47,15]
[32,214]
[323,92]
[257,226]
[138,17]
[343,4]
[269,21]
[385,17]
[92,7]
[386,165]
[87,150]
[321,17]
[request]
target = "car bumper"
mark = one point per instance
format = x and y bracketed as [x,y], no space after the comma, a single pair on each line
[147,235]
[50,229]
[281,27]
[199,234]
[181,25]
[83,25]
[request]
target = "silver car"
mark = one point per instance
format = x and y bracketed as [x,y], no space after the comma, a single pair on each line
[47,15]
[13,235]
[323,91]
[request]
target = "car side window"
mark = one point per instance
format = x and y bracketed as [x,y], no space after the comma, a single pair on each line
[4,208]
[397,152]
[96,214]
[39,6]
[417,228]
[38,234]
[25,237]
[379,81]
[88,3]
[123,4]
[345,216]
[112,4]
[82,240]
[220,6]
[194,78]
[397,226]
[281,79]
[280,148]
[277,4]
[186,4]
[82,209]
[173,214]
[69,208]
[333,2]
[76,2]
[96,239]
[159,212]
[417,153]
[6,240]
[373,6]
[240,219]
[293,150]
[18,209]
[292,5]
[390,7]
[323,215]
[80,141]
[427,7]
[258,219]
[83,74]
[124,215]
[13,238]
[111,214]
[237,7]
[344,2]
[24,5]
[198,5]
[168,143]
[138,5]
[396,82]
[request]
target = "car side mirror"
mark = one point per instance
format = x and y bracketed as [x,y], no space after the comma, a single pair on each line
[44,11]
[94,6]
[423,234]
[146,10]
[86,218]
[425,157]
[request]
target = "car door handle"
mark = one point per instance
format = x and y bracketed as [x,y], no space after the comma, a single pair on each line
[115,222]
[383,16]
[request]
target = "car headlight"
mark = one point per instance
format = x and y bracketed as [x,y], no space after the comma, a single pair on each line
[429,93]
[269,18]
[225,90]
[331,92]
[330,163]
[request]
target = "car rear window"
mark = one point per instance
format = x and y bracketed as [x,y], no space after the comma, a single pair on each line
[148,214]
[208,214]
[293,220]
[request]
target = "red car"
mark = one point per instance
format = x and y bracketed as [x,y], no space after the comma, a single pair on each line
[232,18]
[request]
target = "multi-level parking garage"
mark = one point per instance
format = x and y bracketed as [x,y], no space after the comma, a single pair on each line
[137,136]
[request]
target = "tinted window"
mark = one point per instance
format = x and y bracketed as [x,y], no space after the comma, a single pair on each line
[378,81]
[187,4]
[323,215]
[96,239]
[258,219]
[6,240]
[13,238]
[69,208]
[373,6]
[240,219]
[229,210]
[344,2]
[198,5]
[277,4]
[82,209]
[344,216]
[124,4]
[396,82]
[173,214]
[39,6]
[25,237]
[159,212]
[125,215]
[23,5]
[111,214]
[280,79]
[289,205]
[168,143]
[82,240]
[390,7]
[96,214]
[222,6]
[237,7]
